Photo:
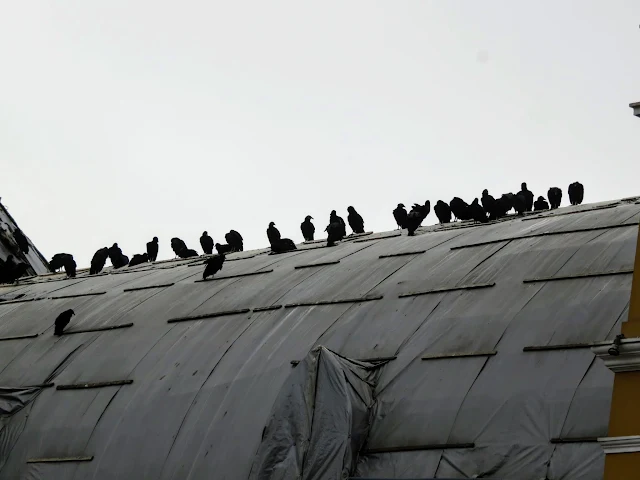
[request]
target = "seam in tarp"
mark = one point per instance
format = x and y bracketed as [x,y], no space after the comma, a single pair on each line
[443,356]
[579,275]
[557,440]
[98,329]
[61,459]
[414,448]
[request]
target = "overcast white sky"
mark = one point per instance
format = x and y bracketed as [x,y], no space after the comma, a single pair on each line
[126,119]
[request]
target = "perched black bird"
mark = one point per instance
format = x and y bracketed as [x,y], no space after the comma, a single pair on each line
[98,261]
[442,211]
[273,234]
[333,233]
[417,214]
[477,212]
[505,204]
[460,209]
[308,229]
[118,259]
[555,197]
[180,248]
[222,249]
[283,245]
[400,215]
[70,267]
[520,203]
[540,204]
[10,270]
[335,218]
[21,240]
[234,239]
[58,261]
[490,205]
[213,265]
[139,259]
[152,249]
[355,220]
[528,197]
[576,193]
[206,242]
[62,321]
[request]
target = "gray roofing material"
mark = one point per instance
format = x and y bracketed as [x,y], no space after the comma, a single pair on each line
[203,389]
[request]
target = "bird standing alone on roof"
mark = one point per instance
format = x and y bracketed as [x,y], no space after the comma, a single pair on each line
[307,228]
[98,261]
[62,321]
[234,239]
[206,242]
[355,220]
[417,214]
[152,249]
[555,197]
[400,216]
[576,193]
[540,204]
[528,197]
[213,265]
[442,211]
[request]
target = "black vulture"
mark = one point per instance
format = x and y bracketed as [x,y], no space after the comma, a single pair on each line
[528,196]
[307,228]
[222,249]
[98,261]
[460,209]
[118,259]
[283,245]
[139,259]
[234,239]
[10,270]
[70,267]
[490,205]
[180,248]
[520,203]
[477,212]
[400,215]
[152,249]
[417,214]
[213,265]
[442,211]
[21,240]
[355,220]
[62,321]
[576,193]
[58,261]
[273,234]
[206,242]
[505,204]
[540,204]
[334,231]
[555,197]
[334,218]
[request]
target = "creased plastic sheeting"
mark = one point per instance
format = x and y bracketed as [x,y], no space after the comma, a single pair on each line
[320,420]
[13,399]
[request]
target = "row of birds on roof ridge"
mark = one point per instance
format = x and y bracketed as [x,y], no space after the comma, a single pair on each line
[484,210]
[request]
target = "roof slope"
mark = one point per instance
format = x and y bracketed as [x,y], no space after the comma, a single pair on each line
[203,388]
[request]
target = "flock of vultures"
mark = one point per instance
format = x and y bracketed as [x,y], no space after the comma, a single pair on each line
[482,211]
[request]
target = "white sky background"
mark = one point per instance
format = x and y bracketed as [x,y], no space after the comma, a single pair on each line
[122,120]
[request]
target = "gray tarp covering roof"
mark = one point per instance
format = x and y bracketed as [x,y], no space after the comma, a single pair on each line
[191,398]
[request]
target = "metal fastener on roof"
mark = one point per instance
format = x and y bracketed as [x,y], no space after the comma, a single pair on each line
[266,309]
[234,276]
[402,254]
[560,346]
[333,302]
[580,275]
[552,215]
[319,264]
[413,448]
[135,289]
[98,329]
[209,315]
[447,289]
[545,234]
[442,356]
[574,440]
[81,386]
[19,337]
[91,294]
[60,459]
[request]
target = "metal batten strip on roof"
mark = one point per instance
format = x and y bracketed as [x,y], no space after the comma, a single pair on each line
[91,294]
[370,360]
[580,275]
[135,289]
[333,302]
[402,254]
[82,386]
[545,234]
[540,216]
[268,308]
[60,459]
[574,440]
[562,346]
[413,448]
[9,302]
[239,275]
[443,356]
[448,289]
[319,264]
[19,337]
[361,240]
[98,329]
[209,315]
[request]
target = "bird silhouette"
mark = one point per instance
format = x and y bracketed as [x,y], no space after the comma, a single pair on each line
[118,259]
[417,214]
[520,203]
[98,261]
[152,249]
[540,204]
[234,239]
[70,267]
[555,197]
[576,193]
[528,196]
[213,265]
[11,270]
[490,205]
[477,212]
[62,321]
[307,228]
[400,216]
[58,261]
[273,234]
[355,220]
[335,218]
[442,211]
[139,259]
[206,242]
[460,208]
[283,245]
[222,249]
[21,241]
[505,204]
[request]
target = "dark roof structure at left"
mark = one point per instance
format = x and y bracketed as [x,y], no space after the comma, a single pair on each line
[8,245]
